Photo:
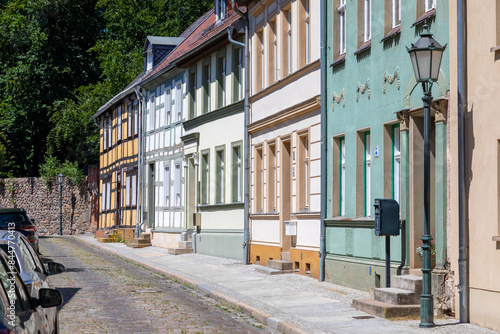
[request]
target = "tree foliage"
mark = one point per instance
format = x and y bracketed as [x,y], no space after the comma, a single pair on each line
[61,60]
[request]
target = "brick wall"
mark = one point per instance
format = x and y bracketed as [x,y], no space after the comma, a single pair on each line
[42,204]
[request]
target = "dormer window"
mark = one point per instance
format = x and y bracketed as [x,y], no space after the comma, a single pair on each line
[220,9]
[149,56]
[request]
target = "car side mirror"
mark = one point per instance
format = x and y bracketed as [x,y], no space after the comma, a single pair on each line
[49,298]
[56,268]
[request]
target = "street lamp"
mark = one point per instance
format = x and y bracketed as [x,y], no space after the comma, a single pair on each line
[60,180]
[426,55]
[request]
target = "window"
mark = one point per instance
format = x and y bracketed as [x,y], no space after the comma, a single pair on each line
[221,81]
[205,178]
[206,87]
[342,176]
[110,132]
[133,194]
[177,184]
[272,60]
[259,180]
[106,195]
[259,61]
[237,73]
[152,112]
[219,176]
[286,47]
[166,185]
[221,9]
[131,187]
[341,26]
[128,188]
[271,177]
[168,106]
[303,172]
[130,120]
[192,93]
[396,13]
[396,163]
[367,174]
[237,174]
[149,59]
[429,4]
[367,20]
[105,133]
[178,102]
[119,130]
[136,117]
[304,33]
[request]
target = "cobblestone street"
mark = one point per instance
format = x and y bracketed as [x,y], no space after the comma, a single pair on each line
[107,294]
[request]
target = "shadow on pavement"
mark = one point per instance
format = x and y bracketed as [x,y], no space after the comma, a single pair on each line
[67,293]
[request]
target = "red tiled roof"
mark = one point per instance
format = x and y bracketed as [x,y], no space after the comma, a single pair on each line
[206,30]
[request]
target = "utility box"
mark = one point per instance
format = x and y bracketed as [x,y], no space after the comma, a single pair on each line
[386,217]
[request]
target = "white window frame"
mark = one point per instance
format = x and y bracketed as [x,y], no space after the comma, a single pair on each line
[221,9]
[149,57]
[368,20]
[396,13]
[306,172]
[128,188]
[396,170]
[220,157]
[342,26]
[178,101]
[133,199]
[105,133]
[367,176]
[290,39]
[152,112]
[168,106]
[129,119]
[238,168]
[108,195]
[342,176]
[429,5]
[177,184]
[119,127]
[136,117]
[308,31]
[110,132]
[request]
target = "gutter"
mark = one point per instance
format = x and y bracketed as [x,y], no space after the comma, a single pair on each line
[140,160]
[463,220]
[324,146]
[246,141]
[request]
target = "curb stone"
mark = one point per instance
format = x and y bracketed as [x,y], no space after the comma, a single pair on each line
[283,326]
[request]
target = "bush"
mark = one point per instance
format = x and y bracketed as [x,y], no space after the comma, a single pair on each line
[52,167]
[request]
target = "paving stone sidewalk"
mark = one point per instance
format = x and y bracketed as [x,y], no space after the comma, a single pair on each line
[289,303]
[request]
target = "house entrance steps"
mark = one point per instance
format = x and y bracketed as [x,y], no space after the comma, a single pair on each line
[276,267]
[144,240]
[400,300]
[184,246]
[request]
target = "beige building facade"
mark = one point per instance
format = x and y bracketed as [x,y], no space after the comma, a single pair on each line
[482,160]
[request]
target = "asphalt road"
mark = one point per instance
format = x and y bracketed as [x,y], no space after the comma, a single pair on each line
[104,293]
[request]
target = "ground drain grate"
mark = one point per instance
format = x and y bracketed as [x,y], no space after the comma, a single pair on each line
[363,317]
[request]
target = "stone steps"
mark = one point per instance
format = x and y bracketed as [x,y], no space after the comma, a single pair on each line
[179,251]
[144,240]
[402,299]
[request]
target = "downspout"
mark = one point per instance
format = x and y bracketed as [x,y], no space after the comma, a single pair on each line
[324,146]
[246,141]
[140,156]
[463,221]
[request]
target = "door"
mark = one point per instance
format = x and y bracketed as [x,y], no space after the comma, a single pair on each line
[151,195]
[191,193]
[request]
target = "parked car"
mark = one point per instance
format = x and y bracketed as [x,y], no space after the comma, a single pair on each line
[18,310]
[19,220]
[32,271]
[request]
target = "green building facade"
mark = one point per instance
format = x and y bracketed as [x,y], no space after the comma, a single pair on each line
[374,137]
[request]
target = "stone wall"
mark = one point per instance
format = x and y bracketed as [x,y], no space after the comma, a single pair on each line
[42,204]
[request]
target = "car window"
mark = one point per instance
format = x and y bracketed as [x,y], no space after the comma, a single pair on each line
[12,217]
[27,257]
[12,289]
[9,250]
[36,259]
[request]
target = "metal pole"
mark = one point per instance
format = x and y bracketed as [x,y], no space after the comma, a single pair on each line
[60,208]
[426,300]
[324,144]
[387,261]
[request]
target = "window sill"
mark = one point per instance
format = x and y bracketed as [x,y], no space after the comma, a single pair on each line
[496,238]
[424,17]
[392,33]
[220,206]
[366,46]
[495,48]
[340,59]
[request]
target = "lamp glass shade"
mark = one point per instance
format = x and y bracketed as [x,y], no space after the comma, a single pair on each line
[60,178]
[437,55]
[426,55]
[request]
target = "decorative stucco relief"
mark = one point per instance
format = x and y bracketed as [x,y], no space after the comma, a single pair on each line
[390,78]
[363,89]
[404,119]
[337,98]
[440,108]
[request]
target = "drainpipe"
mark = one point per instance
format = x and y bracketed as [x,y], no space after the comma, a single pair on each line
[140,159]
[246,141]
[463,221]
[324,146]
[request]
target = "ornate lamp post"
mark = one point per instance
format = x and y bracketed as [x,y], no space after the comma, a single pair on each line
[426,55]
[60,180]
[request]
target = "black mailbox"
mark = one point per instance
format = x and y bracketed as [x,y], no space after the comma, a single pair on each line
[386,217]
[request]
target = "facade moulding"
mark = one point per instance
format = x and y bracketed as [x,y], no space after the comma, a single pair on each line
[286,115]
